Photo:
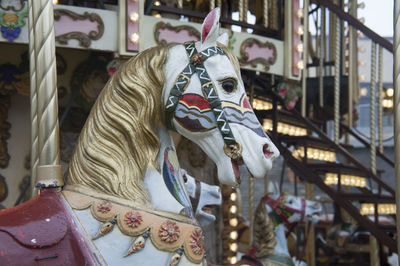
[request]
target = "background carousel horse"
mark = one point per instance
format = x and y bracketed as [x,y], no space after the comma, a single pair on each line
[269,247]
[202,196]
[124,170]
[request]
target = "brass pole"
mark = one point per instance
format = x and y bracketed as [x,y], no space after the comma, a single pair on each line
[321,69]
[240,7]
[33,99]
[265,6]
[380,99]
[212,4]
[219,3]
[352,73]
[310,248]
[337,81]
[245,9]
[396,109]
[180,4]
[305,57]
[374,248]
[49,169]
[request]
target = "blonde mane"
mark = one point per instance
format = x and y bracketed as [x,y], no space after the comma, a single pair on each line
[119,140]
[264,238]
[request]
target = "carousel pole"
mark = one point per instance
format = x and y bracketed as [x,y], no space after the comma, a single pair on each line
[374,247]
[33,96]
[396,109]
[305,59]
[49,169]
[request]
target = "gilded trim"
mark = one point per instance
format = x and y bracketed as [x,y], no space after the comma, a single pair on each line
[152,219]
[244,57]
[83,38]
[161,26]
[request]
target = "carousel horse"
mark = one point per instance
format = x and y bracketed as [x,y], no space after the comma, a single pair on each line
[269,247]
[202,197]
[124,202]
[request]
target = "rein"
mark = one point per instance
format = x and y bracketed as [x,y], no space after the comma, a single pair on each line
[232,148]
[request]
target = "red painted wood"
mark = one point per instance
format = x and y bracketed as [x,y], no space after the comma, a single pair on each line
[42,232]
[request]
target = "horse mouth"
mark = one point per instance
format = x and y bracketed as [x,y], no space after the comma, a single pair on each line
[209,209]
[235,167]
[314,217]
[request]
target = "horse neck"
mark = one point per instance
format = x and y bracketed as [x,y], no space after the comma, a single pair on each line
[160,195]
[281,246]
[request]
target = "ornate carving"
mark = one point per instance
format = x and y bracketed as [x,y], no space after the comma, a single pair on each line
[246,58]
[192,32]
[197,242]
[169,231]
[3,188]
[104,207]
[133,218]
[83,38]
[5,102]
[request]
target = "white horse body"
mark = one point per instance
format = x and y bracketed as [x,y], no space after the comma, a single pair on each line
[171,199]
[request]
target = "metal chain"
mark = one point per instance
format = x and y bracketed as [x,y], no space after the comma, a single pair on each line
[380,99]
[372,108]
[337,81]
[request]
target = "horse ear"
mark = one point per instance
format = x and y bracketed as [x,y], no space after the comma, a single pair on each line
[223,39]
[210,29]
[273,188]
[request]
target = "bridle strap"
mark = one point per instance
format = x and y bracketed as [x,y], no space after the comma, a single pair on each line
[196,64]
[278,204]
[196,199]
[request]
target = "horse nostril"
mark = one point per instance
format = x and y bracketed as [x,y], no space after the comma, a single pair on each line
[316,206]
[268,154]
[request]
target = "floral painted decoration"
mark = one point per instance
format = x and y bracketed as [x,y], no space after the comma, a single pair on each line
[113,66]
[196,59]
[104,207]
[133,219]
[11,23]
[290,94]
[169,231]
[197,242]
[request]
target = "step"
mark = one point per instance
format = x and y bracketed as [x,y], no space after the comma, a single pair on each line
[367,198]
[283,116]
[337,168]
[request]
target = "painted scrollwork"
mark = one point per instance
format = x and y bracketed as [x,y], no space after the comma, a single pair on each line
[5,102]
[192,34]
[250,46]
[83,38]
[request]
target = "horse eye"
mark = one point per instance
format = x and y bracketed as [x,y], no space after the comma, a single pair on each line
[185,178]
[229,85]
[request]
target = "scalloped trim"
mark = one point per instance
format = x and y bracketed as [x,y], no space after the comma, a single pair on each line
[150,221]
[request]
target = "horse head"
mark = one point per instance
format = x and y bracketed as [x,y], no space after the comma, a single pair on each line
[290,209]
[205,101]
[202,196]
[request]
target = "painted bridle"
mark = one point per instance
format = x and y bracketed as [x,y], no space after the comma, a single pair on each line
[283,211]
[232,148]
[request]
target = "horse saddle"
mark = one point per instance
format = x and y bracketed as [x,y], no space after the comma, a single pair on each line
[41,232]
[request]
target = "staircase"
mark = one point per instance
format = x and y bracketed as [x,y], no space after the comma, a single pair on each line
[336,160]
[313,171]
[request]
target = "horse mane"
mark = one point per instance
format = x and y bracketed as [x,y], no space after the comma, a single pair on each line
[119,140]
[264,239]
